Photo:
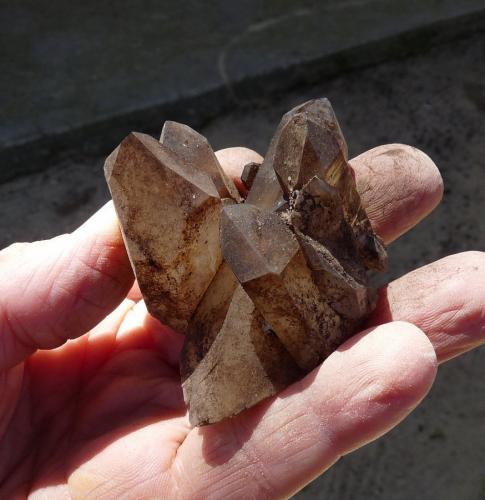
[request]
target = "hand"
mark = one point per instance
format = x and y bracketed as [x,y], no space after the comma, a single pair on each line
[103,415]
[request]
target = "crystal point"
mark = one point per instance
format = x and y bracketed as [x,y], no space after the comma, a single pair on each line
[195,152]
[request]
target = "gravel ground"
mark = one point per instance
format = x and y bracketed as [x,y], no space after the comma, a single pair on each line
[434,101]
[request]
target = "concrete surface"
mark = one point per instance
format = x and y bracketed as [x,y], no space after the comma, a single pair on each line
[82,74]
[435,101]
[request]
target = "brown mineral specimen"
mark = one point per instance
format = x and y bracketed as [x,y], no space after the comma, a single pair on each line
[266,191]
[231,360]
[282,284]
[169,215]
[269,263]
[195,152]
[249,174]
[308,142]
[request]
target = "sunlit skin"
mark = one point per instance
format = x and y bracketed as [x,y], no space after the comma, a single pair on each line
[102,415]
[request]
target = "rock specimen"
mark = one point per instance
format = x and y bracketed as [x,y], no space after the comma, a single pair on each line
[249,174]
[264,289]
[169,212]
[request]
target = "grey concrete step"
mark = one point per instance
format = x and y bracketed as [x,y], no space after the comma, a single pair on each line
[80,75]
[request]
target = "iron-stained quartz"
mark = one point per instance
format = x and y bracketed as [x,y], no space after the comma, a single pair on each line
[264,288]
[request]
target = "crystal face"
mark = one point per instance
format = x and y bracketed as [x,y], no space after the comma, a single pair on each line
[194,152]
[249,174]
[169,215]
[264,288]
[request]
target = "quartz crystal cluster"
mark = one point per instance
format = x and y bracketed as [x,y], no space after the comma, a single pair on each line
[264,288]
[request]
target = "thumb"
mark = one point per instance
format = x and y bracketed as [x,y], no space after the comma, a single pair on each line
[58,289]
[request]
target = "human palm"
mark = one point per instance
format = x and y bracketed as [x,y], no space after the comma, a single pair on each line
[103,415]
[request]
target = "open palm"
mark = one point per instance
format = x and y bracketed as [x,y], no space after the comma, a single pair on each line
[103,415]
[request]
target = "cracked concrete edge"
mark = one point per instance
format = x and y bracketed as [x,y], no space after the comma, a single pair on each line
[102,136]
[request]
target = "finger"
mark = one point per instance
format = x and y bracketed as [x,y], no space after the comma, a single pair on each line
[141,330]
[58,289]
[360,392]
[445,299]
[233,161]
[59,370]
[399,185]
[128,327]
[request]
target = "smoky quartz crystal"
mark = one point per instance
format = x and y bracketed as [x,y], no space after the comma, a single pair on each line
[264,288]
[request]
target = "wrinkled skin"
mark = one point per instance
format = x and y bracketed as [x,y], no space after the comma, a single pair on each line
[102,416]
